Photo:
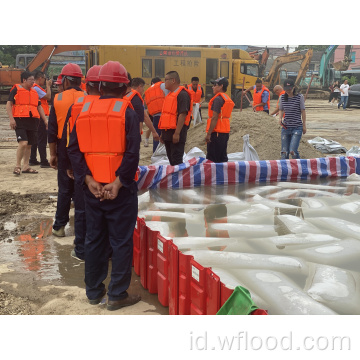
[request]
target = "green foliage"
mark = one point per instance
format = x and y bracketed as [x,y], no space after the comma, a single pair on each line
[8,52]
[314,47]
[353,80]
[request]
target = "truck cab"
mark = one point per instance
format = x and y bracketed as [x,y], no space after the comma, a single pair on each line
[245,71]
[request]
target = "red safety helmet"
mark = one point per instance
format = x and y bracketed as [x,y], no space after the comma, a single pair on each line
[114,72]
[71,69]
[58,80]
[93,74]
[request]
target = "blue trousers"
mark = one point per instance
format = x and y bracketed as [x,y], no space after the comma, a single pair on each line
[290,140]
[156,119]
[80,221]
[109,222]
[65,194]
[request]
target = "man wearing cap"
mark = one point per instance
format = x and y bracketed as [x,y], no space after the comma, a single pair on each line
[292,108]
[71,79]
[104,150]
[261,96]
[218,124]
[175,118]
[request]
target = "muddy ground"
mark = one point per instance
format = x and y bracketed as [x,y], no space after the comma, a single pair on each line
[37,274]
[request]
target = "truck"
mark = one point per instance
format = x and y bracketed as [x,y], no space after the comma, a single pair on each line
[204,62]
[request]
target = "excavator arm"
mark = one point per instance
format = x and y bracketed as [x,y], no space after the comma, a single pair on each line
[43,57]
[304,67]
[279,61]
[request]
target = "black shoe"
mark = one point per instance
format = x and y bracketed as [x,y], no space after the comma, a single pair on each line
[118,304]
[98,300]
[34,163]
[45,165]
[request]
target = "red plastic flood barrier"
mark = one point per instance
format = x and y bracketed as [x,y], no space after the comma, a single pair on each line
[225,293]
[204,290]
[136,248]
[167,274]
[151,261]
[143,253]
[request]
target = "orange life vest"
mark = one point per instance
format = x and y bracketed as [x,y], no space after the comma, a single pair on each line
[62,102]
[75,111]
[100,129]
[154,98]
[257,98]
[26,102]
[44,103]
[195,95]
[169,114]
[282,93]
[129,96]
[223,123]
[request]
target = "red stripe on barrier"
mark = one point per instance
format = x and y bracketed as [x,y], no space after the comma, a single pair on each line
[149,176]
[294,169]
[207,174]
[252,171]
[231,168]
[274,170]
[352,165]
[333,167]
[314,169]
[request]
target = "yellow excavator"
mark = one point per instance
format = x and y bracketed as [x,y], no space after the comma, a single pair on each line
[10,76]
[273,78]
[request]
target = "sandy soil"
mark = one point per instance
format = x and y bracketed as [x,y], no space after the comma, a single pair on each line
[34,197]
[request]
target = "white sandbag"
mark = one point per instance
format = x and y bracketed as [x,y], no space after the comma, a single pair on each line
[250,153]
[282,295]
[354,151]
[194,153]
[238,156]
[336,288]
[295,225]
[196,114]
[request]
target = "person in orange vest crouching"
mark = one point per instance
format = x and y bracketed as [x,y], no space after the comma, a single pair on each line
[154,99]
[44,96]
[71,79]
[104,150]
[175,118]
[92,89]
[261,96]
[197,93]
[278,91]
[24,110]
[218,124]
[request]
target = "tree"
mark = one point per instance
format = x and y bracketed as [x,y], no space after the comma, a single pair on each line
[8,52]
[314,47]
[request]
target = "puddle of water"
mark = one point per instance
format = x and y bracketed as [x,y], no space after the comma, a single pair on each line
[316,222]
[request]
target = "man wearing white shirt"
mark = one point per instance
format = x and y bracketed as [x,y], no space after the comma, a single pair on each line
[344,88]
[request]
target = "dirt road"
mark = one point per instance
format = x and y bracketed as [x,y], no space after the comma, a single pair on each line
[37,274]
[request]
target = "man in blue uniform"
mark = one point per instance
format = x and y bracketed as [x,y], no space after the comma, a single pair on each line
[105,161]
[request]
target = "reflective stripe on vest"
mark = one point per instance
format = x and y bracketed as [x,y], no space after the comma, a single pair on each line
[44,103]
[75,111]
[100,129]
[154,98]
[169,114]
[62,102]
[131,94]
[223,122]
[257,98]
[26,103]
[195,96]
